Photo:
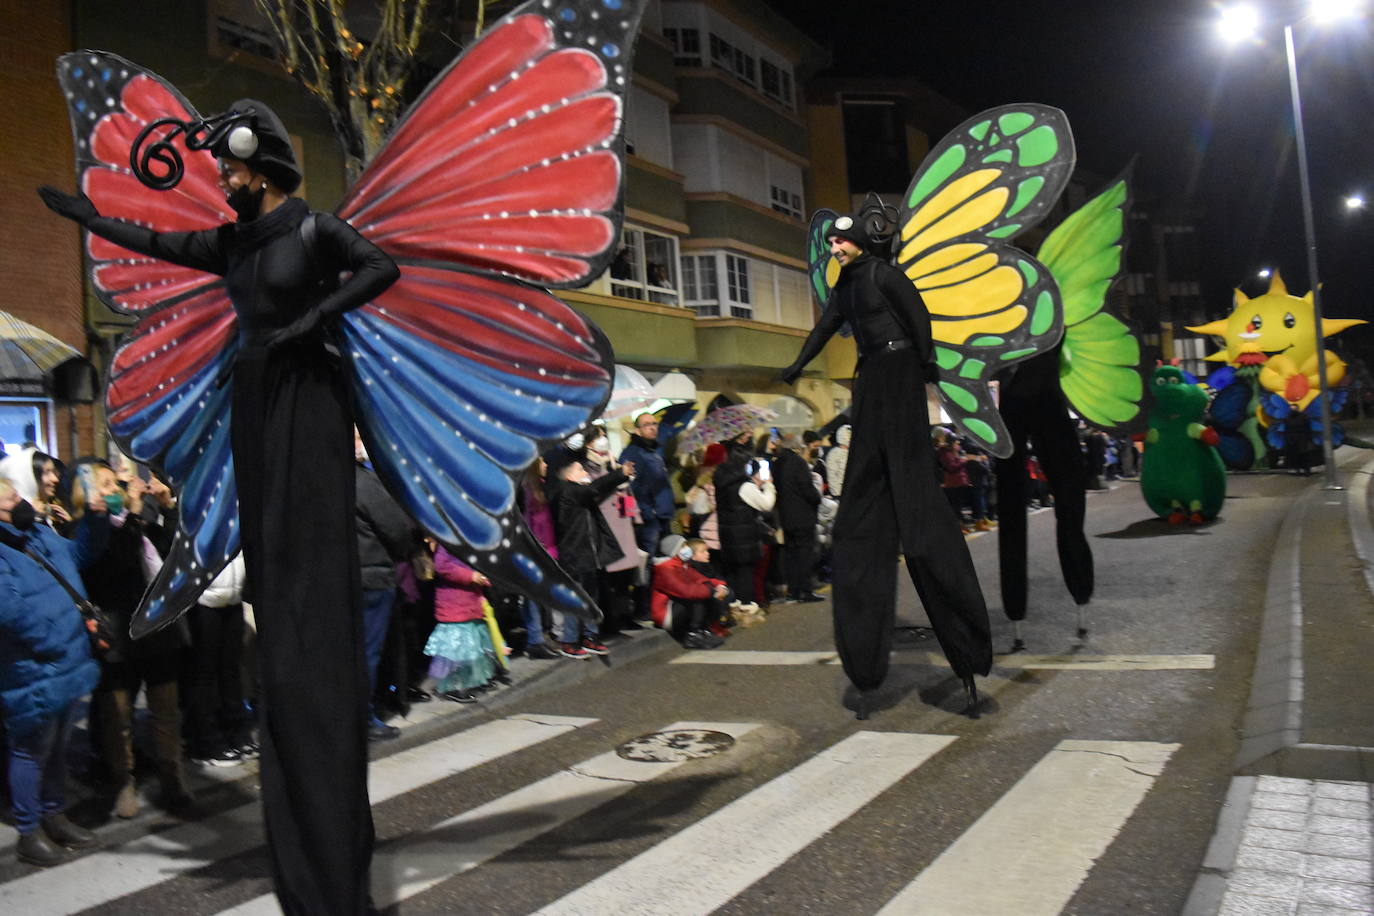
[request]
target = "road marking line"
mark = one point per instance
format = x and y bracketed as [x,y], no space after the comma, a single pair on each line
[1101,662]
[149,860]
[1042,837]
[704,866]
[459,844]
[1014,661]
[751,657]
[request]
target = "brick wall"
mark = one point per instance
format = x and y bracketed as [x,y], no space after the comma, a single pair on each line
[40,257]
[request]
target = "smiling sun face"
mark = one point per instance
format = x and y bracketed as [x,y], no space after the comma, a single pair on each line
[1267,325]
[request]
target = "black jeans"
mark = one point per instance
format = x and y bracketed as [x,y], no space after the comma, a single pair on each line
[799,555]
[216,718]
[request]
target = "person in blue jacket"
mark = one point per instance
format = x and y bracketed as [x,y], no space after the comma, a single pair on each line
[45,668]
[654,494]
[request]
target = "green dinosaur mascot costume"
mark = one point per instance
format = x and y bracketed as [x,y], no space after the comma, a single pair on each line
[1182,478]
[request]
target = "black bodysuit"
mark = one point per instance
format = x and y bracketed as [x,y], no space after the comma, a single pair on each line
[891,500]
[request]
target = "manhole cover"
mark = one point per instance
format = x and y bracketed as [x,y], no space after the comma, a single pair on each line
[678,744]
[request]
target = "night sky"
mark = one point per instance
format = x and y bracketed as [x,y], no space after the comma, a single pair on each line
[1149,78]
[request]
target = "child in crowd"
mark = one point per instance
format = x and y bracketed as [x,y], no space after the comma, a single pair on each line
[686,601]
[462,653]
[586,543]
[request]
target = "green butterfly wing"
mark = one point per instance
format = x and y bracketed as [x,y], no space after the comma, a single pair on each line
[991,304]
[822,268]
[1101,364]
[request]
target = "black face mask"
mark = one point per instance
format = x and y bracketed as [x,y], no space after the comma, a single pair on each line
[246,202]
[22,516]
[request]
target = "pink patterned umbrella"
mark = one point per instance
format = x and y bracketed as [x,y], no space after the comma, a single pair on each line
[725,423]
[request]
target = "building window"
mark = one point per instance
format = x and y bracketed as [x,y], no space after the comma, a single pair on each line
[645,267]
[686,46]
[734,60]
[785,201]
[737,286]
[242,37]
[776,82]
[875,136]
[700,286]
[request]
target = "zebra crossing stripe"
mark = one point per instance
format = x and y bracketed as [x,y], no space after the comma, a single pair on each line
[1037,844]
[459,844]
[1014,661]
[149,860]
[745,840]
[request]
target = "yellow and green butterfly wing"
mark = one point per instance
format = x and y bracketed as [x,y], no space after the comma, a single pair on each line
[991,304]
[822,268]
[1101,364]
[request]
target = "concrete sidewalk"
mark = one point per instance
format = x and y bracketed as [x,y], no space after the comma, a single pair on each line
[1294,836]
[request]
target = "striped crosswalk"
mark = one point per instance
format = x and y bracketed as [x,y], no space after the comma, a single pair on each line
[1045,832]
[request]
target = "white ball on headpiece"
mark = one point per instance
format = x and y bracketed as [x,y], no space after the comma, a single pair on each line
[242,141]
[844,222]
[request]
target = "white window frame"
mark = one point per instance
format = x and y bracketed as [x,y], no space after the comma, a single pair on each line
[640,285]
[733,280]
[737,288]
[686,46]
[786,201]
[783,93]
[702,293]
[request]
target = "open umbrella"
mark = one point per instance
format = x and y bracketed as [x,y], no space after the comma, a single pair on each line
[725,423]
[630,393]
[33,362]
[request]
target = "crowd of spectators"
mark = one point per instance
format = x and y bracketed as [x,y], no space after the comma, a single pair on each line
[694,544]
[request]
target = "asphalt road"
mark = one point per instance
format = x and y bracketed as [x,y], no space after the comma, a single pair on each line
[1090,784]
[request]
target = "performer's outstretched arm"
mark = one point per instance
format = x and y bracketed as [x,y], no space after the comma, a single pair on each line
[199,250]
[830,322]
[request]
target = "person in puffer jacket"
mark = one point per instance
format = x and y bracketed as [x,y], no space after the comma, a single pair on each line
[45,668]
[686,600]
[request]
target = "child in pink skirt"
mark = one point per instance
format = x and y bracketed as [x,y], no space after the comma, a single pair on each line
[463,657]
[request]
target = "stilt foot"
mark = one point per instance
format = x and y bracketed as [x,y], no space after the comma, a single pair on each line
[863,706]
[971,689]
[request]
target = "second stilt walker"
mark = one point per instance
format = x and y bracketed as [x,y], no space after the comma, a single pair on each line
[891,500]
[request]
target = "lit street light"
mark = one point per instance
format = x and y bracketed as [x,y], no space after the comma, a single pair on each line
[1242,22]
[1264,273]
[1354,202]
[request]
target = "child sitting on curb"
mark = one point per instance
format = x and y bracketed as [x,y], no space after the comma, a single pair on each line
[685,601]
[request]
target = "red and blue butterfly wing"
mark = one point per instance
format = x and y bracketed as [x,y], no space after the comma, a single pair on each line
[455,400]
[162,405]
[109,100]
[508,171]
[512,161]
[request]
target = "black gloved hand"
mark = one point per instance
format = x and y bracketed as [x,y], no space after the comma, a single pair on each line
[788,375]
[302,327]
[75,207]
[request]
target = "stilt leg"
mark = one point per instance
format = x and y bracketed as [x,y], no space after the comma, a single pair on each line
[1017,643]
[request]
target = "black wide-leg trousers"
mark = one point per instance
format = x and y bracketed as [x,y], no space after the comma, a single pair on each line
[892,503]
[293,460]
[1043,419]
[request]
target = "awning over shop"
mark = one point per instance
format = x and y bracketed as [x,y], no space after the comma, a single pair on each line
[35,364]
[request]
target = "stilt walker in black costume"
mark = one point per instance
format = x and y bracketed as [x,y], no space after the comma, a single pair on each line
[891,501]
[290,432]
[1098,369]
[266,331]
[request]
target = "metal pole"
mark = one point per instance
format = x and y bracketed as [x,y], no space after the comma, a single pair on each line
[1328,453]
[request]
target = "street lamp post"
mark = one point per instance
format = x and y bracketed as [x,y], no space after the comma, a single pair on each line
[1309,224]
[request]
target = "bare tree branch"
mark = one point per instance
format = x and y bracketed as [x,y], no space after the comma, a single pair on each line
[362,85]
